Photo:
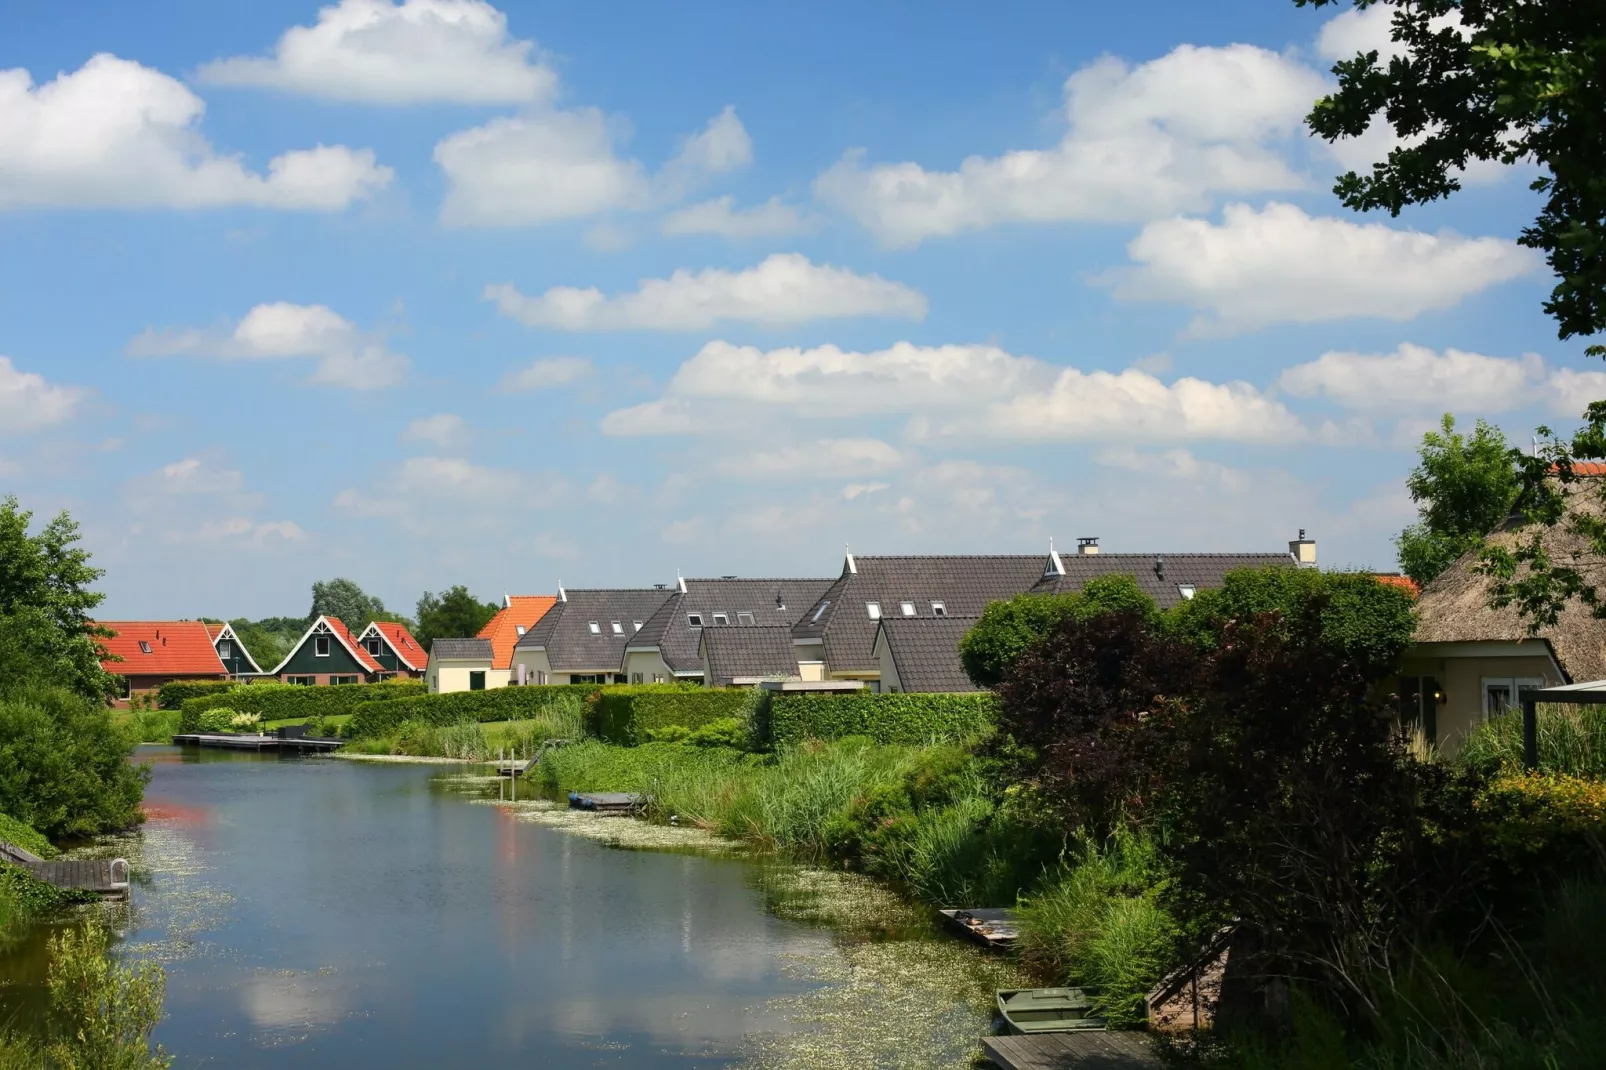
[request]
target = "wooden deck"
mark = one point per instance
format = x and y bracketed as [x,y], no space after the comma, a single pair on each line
[106,877]
[1073,1051]
[258,743]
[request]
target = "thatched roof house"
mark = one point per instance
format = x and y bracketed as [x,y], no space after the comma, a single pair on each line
[1471,660]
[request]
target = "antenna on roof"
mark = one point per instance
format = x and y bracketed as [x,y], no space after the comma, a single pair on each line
[851,567]
[680,581]
[563,596]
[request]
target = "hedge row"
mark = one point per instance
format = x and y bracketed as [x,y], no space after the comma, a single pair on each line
[173,694]
[497,704]
[916,718]
[278,702]
[625,714]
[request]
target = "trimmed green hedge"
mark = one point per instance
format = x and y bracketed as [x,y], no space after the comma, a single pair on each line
[626,713]
[497,704]
[913,719]
[173,694]
[278,702]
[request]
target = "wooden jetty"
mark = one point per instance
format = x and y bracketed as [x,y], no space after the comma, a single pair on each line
[1073,1051]
[513,767]
[255,742]
[106,877]
[607,802]
[993,927]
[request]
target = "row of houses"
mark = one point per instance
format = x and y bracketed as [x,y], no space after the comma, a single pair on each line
[886,624]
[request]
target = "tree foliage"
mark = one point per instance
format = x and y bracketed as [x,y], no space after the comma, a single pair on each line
[452,614]
[45,602]
[1007,629]
[64,765]
[343,598]
[1464,488]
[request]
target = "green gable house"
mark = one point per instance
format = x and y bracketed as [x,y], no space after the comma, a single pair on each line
[232,653]
[328,654]
[394,648]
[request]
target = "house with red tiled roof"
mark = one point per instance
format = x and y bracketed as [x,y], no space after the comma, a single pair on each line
[231,652]
[390,644]
[149,653]
[519,613]
[460,664]
[328,654]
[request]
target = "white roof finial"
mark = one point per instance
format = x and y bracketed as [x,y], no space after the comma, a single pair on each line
[1054,567]
[680,581]
[852,567]
[507,603]
[563,596]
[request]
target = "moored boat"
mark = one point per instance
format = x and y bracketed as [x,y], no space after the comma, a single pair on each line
[1046,1010]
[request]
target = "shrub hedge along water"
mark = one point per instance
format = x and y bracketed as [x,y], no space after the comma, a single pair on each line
[373,719]
[277,702]
[626,714]
[916,719]
[172,695]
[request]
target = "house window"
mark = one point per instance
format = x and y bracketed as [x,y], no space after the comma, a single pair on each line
[519,628]
[596,629]
[906,608]
[476,680]
[657,677]
[375,645]
[938,609]
[1186,590]
[722,618]
[873,609]
[302,681]
[744,617]
[1419,705]
[694,619]
[144,647]
[1505,693]
[320,646]
[818,613]
[635,678]
[225,651]
[635,626]
[342,679]
[618,629]
[540,677]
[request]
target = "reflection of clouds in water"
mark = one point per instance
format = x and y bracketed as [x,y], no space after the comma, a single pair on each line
[669,1019]
[286,1001]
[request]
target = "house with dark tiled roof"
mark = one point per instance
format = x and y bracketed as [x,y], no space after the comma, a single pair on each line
[744,656]
[393,647]
[922,653]
[232,652]
[461,665]
[150,653]
[327,653]
[668,646]
[582,638]
[840,637]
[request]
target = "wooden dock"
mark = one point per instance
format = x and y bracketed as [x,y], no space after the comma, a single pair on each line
[107,878]
[1073,1051]
[257,743]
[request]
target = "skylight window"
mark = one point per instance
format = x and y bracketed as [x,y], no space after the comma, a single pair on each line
[618,629]
[744,617]
[596,629]
[722,618]
[519,628]
[906,608]
[873,609]
[938,609]
[818,613]
[144,647]
[1186,591]
[635,626]
[694,619]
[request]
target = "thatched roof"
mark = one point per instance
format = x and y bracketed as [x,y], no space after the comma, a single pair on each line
[1454,608]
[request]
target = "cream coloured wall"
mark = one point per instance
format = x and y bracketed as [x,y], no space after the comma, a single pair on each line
[889,681]
[1461,681]
[447,677]
[650,665]
[535,663]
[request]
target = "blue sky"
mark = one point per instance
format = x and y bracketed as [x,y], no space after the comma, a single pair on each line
[435,292]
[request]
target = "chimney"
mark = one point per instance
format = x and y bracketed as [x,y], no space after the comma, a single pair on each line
[1087,545]
[1303,551]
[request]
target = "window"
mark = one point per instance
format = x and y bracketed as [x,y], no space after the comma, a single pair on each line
[1186,590]
[144,647]
[540,677]
[938,609]
[906,608]
[320,646]
[635,678]
[1505,693]
[519,628]
[722,618]
[635,626]
[618,629]
[657,677]
[476,680]
[596,629]
[375,645]
[818,613]
[744,617]
[342,679]
[873,609]
[1419,706]
[302,681]
[694,619]
[225,650]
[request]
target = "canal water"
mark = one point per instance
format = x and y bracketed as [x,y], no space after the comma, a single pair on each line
[326,913]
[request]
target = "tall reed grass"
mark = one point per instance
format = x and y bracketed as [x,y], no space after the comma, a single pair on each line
[1572,740]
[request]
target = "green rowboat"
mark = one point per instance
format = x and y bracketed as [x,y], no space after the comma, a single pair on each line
[1046,1010]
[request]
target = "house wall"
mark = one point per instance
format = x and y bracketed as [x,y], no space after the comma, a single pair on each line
[146,686]
[1461,681]
[236,662]
[889,672]
[339,662]
[453,676]
[647,667]
[391,663]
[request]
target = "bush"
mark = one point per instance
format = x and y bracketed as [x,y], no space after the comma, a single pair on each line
[278,702]
[1542,819]
[64,765]
[154,726]
[905,719]
[628,714]
[372,719]
[20,834]
[220,719]
[173,694]
[1009,628]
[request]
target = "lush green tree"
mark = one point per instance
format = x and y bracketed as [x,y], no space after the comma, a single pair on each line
[1513,81]
[452,614]
[343,598]
[45,603]
[270,638]
[64,764]
[1007,629]
[1464,488]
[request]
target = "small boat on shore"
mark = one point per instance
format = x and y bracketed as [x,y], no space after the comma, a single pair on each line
[607,802]
[1046,1010]
[992,926]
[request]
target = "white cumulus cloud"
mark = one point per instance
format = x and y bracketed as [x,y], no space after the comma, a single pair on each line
[721,217]
[441,429]
[192,475]
[784,289]
[374,51]
[116,134]
[1415,377]
[1141,142]
[346,357]
[826,458]
[1280,265]
[28,401]
[546,373]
